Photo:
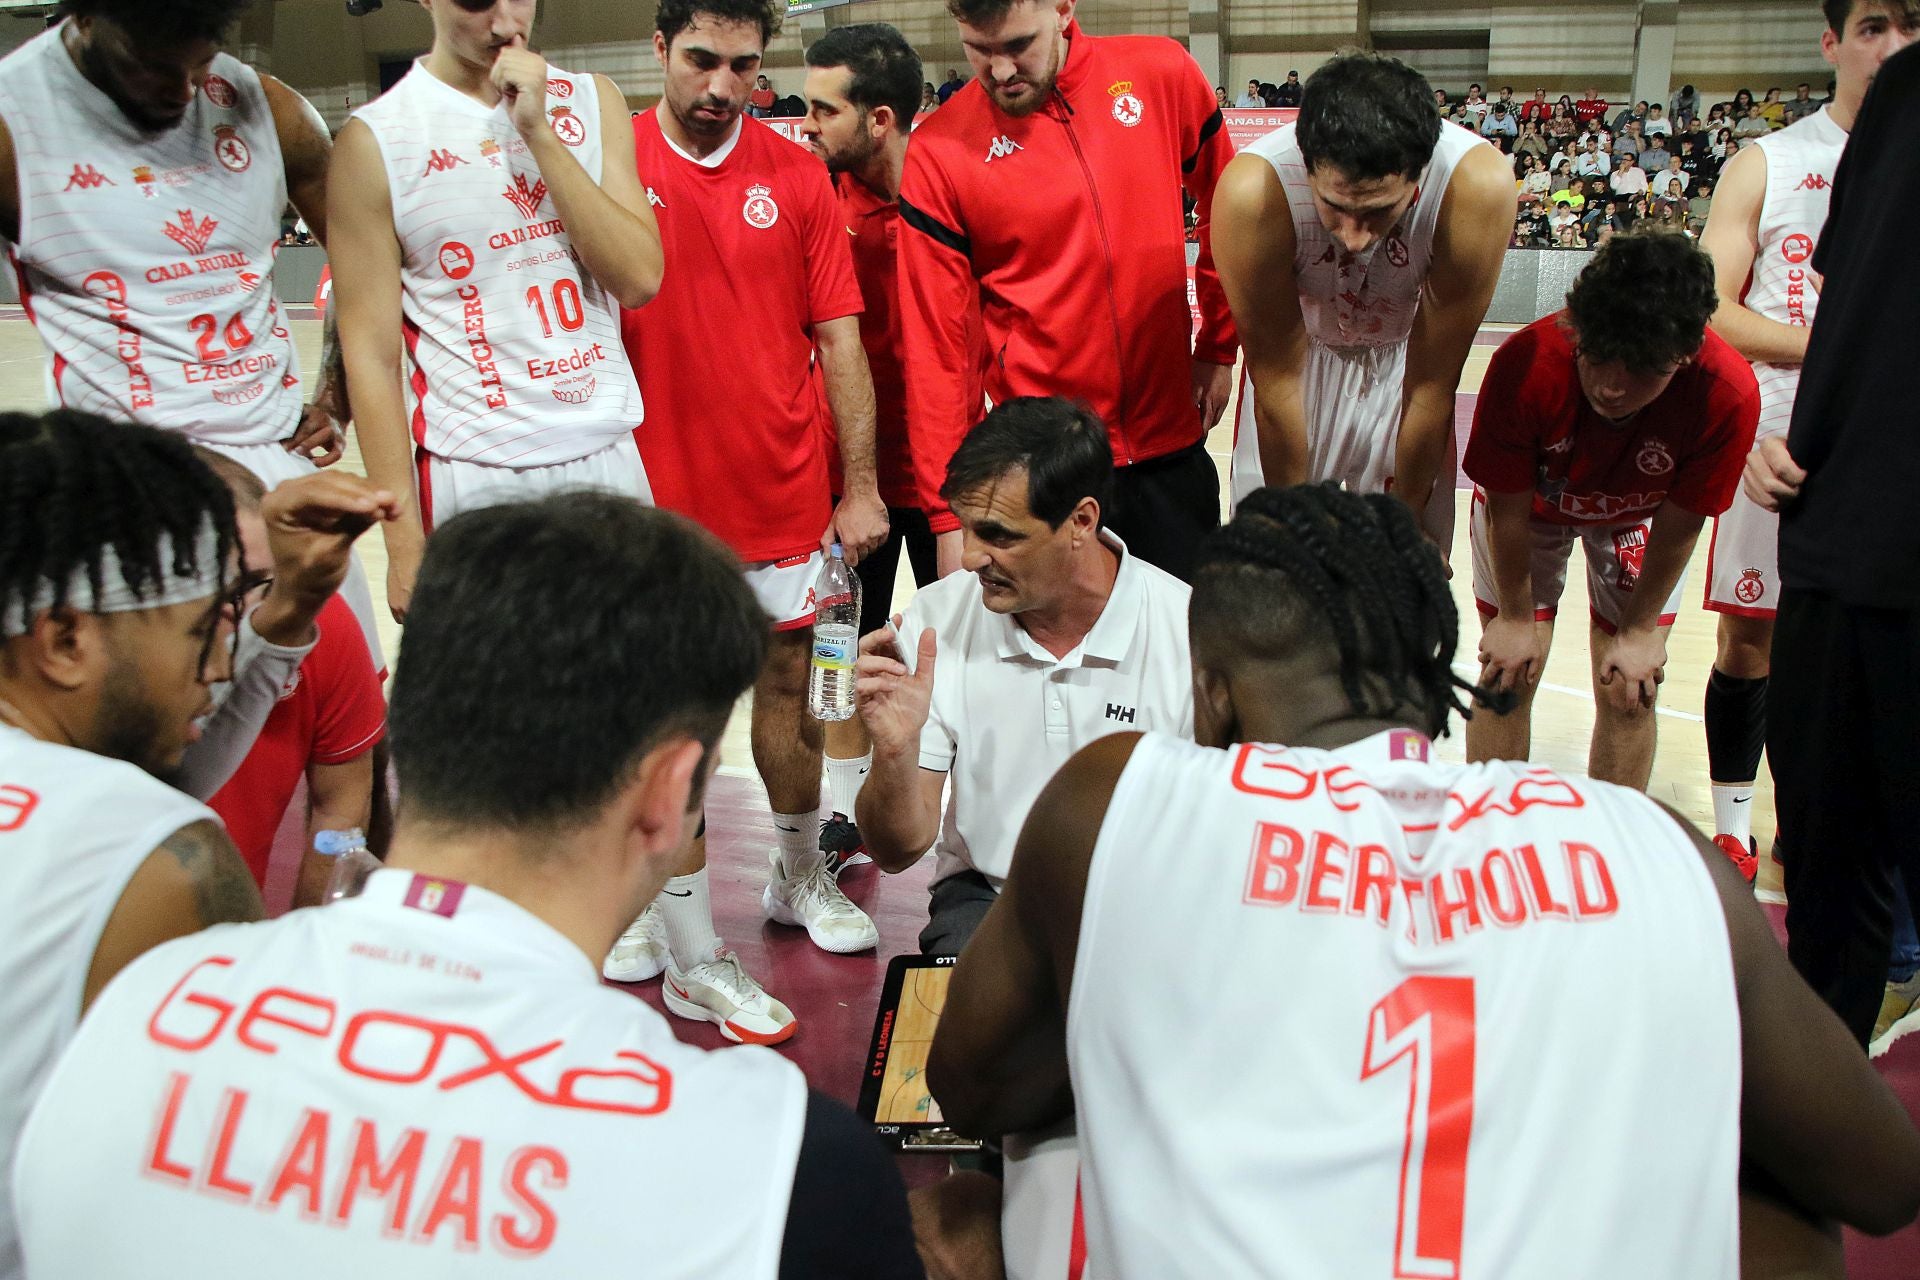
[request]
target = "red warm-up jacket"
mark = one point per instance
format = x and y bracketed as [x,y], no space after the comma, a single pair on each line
[1067,224]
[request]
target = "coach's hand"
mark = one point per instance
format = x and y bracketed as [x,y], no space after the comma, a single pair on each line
[1772,478]
[1212,387]
[893,702]
[1513,654]
[311,525]
[318,431]
[859,525]
[520,75]
[1631,666]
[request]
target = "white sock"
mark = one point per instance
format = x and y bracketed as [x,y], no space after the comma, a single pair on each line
[687,911]
[1733,810]
[798,836]
[845,778]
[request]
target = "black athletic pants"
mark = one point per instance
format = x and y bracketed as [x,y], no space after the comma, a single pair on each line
[906,526]
[1843,731]
[1163,507]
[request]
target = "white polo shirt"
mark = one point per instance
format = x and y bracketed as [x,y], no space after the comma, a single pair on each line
[1006,713]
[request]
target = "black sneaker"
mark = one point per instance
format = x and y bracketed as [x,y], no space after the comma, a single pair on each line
[840,841]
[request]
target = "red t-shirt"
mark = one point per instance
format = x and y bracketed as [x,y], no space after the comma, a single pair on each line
[761,98]
[331,711]
[757,254]
[1533,429]
[1589,109]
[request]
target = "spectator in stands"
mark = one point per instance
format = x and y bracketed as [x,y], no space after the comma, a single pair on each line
[1563,216]
[1536,110]
[760,101]
[1721,141]
[1657,124]
[1696,160]
[1592,161]
[1288,94]
[1499,121]
[1561,126]
[929,97]
[1474,110]
[1531,142]
[1250,96]
[1627,178]
[1742,103]
[1440,101]
[1220,99]
[1638,111]
[1683,106]
[1802,105]
[1535,184]
[1698,203]
[1671,195]
[951,85]
[1751,124]
[1734,146]
[1560,172]
[1590,108]
[1655,156]
[1630,142]
[1659,178]
[1772,110]
[1573,195]
[1568,236]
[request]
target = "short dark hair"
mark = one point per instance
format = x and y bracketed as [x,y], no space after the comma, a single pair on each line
[675,16]
[550,645]
[73,484]
[1644,300]
[885,69]
[1061,445]
[248,489]
[1317,564]
[1368,116]
[1837,12]
[163,21]
[980,13]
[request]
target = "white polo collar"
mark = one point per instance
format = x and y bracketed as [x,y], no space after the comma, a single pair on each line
[1111,637]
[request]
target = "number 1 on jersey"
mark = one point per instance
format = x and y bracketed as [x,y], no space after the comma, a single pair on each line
[1430,1022]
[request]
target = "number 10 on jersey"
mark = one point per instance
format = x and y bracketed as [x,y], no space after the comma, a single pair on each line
[1429,1022]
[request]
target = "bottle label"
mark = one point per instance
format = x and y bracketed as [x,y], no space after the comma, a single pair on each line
[833,654]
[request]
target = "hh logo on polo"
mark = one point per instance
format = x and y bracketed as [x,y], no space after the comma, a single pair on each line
[1123,715]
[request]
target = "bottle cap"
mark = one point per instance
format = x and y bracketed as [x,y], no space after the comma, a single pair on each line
[837,553]
[331,844]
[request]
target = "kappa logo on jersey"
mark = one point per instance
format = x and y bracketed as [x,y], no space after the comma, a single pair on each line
[87,177]
[456,260]
[567,126]
[189,235]
[1630,549]
[1797,247]
[491,150]
[526,198]
[220,91]
[1654,458]
[230,149]
[440,161]
[143,178]
[655,200]
[1127,108]
[1750,587]
[1001,147]
[760,210]
[1814,182]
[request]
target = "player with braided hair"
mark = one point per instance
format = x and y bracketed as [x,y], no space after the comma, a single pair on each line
[1345,907]
[117,583]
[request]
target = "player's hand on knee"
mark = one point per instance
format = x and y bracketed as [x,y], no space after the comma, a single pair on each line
[319,438]
[894,702]
[1511,654]
[1771,477]
[1632,670]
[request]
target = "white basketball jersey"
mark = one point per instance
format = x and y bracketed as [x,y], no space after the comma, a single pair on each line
[145,259]
[1366,299]
[423,1081]
[1440,1021]
[516,350]
[1800,160]
[74,827]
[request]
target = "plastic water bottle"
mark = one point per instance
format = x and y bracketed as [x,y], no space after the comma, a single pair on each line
[352,862]
[836,639]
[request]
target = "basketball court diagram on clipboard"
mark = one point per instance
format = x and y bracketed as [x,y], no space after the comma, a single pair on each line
[894,1096]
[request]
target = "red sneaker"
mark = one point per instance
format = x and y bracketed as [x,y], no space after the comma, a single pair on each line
[1744,857]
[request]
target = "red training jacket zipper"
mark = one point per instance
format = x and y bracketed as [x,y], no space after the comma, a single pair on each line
[1113,303]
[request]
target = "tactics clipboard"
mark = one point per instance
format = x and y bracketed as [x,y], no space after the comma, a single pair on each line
[893,1088]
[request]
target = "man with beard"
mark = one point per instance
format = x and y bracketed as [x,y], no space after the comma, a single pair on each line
[117,615]
[750,226]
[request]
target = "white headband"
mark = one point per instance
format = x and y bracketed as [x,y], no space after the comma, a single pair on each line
[115,595]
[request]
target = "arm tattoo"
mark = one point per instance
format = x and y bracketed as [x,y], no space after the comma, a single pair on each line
[223,888]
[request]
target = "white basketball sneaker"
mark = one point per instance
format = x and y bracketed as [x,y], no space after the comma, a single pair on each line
[812,899]
[641,952]
[721,992]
